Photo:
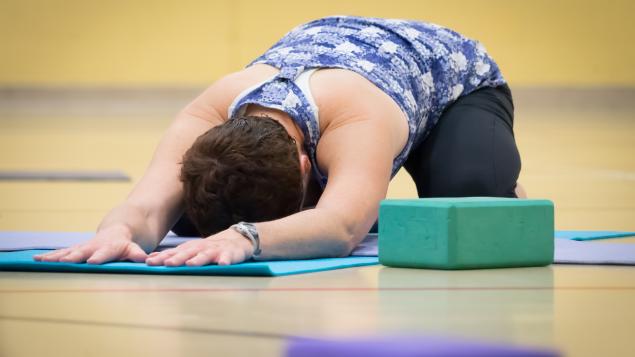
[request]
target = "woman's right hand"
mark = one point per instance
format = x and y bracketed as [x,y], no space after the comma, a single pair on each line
[109,244]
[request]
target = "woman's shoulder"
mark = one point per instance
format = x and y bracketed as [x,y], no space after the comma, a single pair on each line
[220,94]
[341,94]
[345,97]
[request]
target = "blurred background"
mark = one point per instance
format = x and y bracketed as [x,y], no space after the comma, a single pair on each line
[141,43]
[92,85]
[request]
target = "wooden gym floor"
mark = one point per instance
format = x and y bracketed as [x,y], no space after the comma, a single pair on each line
[577,150]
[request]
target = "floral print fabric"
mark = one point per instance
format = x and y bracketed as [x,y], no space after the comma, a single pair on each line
[423,67]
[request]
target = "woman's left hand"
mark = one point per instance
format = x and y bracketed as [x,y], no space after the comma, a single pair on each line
[224,248]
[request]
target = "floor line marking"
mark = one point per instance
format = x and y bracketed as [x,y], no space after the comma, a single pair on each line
[201,330]
[308,289]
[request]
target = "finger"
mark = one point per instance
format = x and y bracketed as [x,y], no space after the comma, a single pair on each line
[159,258]
[203,258]
[135,253]
[180,258]
[164,253]
[58,257]
[225,258]
[168,252]
[78,255]
[51,256]
[102,255]
[110,252]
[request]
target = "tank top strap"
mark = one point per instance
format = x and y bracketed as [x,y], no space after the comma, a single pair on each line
[283,93]
[290,73]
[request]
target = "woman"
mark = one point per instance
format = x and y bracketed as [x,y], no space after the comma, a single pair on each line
[290,157]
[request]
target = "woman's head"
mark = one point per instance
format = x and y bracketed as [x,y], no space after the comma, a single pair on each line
[247,169]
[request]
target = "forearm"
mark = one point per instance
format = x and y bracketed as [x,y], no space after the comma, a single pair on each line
[156,201]
[314,233]
[131,222]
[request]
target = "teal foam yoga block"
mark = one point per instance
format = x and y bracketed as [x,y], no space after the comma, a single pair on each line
[466,233]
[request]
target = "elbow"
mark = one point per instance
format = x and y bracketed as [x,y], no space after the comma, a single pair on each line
[344,232]
[346,239]
[343,248]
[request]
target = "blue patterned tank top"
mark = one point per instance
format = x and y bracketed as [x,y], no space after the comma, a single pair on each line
[423,67]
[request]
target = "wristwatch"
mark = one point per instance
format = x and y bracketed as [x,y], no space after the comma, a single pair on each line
[249,231]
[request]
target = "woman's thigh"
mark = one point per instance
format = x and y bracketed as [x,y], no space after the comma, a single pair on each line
[471,151]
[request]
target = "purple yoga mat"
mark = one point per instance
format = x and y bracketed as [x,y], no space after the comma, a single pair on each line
[12,241]
[410,346]
[575,252]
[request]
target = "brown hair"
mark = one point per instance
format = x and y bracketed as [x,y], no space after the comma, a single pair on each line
[246,169]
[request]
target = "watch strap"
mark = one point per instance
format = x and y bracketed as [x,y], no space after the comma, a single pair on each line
[249,231]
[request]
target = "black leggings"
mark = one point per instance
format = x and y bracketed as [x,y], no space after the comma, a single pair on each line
[471,151]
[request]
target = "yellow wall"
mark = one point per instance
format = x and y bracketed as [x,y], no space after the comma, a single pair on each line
[191,42]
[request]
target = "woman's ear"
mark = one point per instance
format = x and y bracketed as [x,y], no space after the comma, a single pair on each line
[305,166]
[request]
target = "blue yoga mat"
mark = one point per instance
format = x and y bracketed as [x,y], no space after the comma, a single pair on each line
[592,235]
[23,261]
[20,247]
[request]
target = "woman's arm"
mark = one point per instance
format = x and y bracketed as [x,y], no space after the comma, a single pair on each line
[134,228]
[358,159]
[155,204]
